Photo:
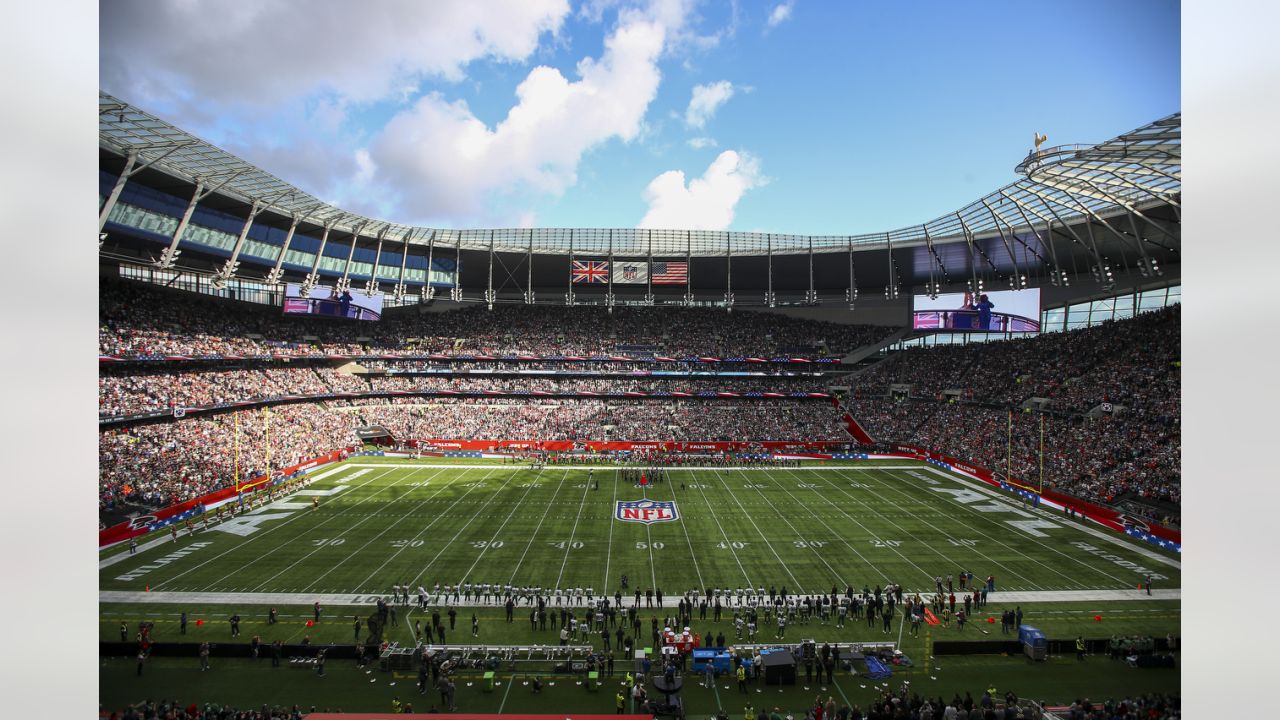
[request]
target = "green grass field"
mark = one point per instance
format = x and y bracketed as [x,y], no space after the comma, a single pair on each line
[390,522]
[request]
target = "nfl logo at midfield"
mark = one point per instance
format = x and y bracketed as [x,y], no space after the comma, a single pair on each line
[646,512]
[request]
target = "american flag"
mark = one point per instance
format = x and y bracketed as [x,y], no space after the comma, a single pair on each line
[590,271]
[669,273]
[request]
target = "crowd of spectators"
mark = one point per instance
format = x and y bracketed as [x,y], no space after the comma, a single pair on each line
[139,320]
[1115,457]
[161,464]
[1132,362]
[579,420]
[133,391]
[175,710]
[136,391]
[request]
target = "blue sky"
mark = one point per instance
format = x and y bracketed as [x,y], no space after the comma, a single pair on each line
[797,116]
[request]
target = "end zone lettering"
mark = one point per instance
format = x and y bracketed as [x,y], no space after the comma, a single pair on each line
[646,512]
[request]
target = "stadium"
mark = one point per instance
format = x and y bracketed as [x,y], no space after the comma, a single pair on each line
[353,465]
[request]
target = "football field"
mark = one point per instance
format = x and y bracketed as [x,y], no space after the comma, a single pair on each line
[382,522]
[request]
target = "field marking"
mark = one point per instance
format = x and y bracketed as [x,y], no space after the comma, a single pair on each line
[252,538]
[341,534]
[139,597]
[932,584]
[930,576]
[568,548]
[991,521]
[384,531]
[1109,535]
[534,535]
[493,537]
[727,542]
[800,536]
[465,526]
[799,587]
[608,556]
[575,466]
[692,553]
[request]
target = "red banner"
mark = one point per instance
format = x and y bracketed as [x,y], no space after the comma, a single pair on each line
[622,446]
[140,525]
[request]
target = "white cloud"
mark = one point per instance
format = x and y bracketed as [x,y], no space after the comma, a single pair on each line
[706,203]
[436,160]
[699,143]
[266,52]
[705,100]
[781,13]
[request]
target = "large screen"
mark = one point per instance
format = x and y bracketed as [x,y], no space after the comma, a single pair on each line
[1002,311]
[328,302]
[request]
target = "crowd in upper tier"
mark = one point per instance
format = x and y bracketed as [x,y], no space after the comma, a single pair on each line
[136,319]
[148,389]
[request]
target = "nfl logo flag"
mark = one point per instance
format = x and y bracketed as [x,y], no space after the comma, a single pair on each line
[646,512]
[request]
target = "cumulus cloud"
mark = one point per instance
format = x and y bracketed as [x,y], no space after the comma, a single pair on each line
[705,203]
[705,101]
[265,52]
[440,161]
[781,13]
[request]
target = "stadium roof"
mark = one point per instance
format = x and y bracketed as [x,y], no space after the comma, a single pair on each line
[1060,186]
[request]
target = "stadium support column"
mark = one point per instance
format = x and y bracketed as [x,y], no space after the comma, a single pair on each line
[528,292]
[131,168]
[455,293]
[851,295]
[975,284]
[1017,274]
[1091,246]
[568,296]
[891,290]
[769,298]
[125,174]
[277,272]
[232,264]
[1146,266]
[728,272]
[372,286]
[428,292]
[648,296]
[688,268]
[1058,274]
[313,277]
[344,282]
[488,293]
[608,296]
[811,297]
[170,256]
[933,286]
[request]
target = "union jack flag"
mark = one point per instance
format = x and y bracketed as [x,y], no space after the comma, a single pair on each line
[590,271]
[669,273]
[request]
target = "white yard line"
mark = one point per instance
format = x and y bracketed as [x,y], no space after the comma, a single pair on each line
[1009,547]
[575,466]
[421,532]
[930,576]
[799,588]
[693,554]
[568,548]
[534,535]
[341,534]
[800,536]
[727,542]
[613,509]
[258,536]
[497,532]
[384,531]
[951,561]
[464,527]
[135,597]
